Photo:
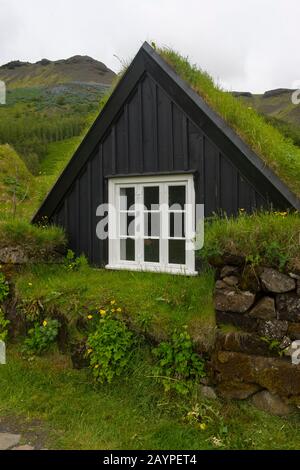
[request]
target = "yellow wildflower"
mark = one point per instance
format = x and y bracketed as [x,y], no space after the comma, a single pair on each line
[113,310]
[89,351]
[203,426]
[30,284]
[281,214]
[119,309]
[45,323]
[102,312]
[96,366]
[112,302]
[90,317]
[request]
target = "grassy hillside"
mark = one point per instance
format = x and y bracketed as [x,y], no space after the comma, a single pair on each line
[18,74]
[56,158]
[277,108]
[20,191]
[41,129]
[17,185]
[275,104]
[35,117]
[50,102]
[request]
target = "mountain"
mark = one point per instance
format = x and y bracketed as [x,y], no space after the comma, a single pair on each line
[82,69]
[274,103]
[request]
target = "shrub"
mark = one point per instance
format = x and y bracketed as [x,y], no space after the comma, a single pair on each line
[41,337]
[178,366]
[73,263]
[109,348]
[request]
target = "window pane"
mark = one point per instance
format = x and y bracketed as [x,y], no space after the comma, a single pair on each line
[152,224]
[127,198]
[177,251]
[151,251]
[127,224]
[151,197]
[127,249]
[177,196]
[177,224]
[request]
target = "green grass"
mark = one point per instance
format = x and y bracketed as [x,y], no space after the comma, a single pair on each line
[290,130]
[32,238]
[264,238]
[17,185]
[56,159]
[277,152]
[131,413]
[31,190]
[58,155]
[155,303]
[279,111]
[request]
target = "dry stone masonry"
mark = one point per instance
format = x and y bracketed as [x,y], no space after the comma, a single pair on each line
[258,319]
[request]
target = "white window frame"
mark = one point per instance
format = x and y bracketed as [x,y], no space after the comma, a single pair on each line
[114,262]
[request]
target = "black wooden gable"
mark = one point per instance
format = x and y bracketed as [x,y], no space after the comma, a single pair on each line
[154,123]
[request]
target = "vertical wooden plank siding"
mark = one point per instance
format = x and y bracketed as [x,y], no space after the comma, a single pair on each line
[151,134]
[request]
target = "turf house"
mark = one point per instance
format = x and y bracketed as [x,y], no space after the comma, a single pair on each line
[156,148]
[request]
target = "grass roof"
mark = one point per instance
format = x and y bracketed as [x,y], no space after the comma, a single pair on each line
[16,183]
[264,238]
[278,152]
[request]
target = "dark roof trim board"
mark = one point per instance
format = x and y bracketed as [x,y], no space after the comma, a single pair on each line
[149,61]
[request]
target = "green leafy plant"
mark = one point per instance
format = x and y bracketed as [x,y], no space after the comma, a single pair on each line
[3,326]
[41,337]
[4,289]
[203,415]
[73,263]
[275,255]
[274,345]
[178,367]
[109,348]
[254,260]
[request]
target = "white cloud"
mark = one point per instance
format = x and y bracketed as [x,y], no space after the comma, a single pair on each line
[246,45]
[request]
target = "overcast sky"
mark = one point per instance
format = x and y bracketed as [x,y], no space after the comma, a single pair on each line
[249,45]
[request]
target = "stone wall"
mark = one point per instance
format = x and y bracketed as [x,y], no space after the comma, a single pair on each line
[258,318]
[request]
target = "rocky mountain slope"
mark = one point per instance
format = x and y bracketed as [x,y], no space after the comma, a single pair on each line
[17,74]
